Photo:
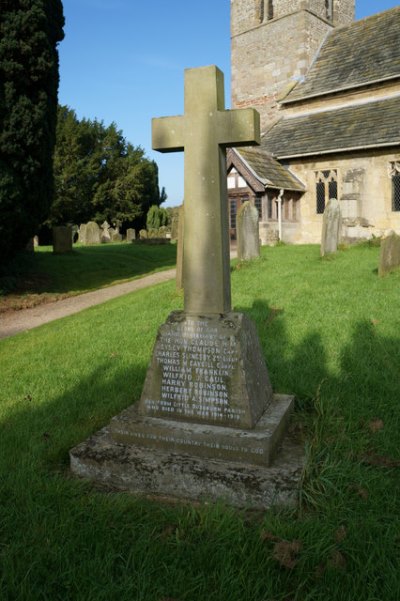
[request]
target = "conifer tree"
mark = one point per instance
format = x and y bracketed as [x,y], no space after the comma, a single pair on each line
[29,33]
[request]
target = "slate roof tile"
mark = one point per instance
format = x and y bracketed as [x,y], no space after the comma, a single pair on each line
[269,170]
[353,56]
[360,126]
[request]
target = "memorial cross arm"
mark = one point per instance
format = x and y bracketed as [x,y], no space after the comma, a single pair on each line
[168,134]
[239,127]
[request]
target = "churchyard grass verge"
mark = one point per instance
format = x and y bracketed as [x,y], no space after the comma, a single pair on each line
[330,332]
[42,276]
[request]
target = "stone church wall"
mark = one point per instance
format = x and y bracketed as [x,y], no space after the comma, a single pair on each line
[364,191]
[262,66]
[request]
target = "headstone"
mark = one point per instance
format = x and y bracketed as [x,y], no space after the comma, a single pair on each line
[331,227]
[390,254]
[35,241]
[82,234]
[115,235]
[248,237]
[92,233]
[105,234]
[179,250]
[130,235]
[62,239]
[207,424]
[143,235]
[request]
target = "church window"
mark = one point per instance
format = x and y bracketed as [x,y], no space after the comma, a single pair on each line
[270,9]
[320,196]
[261,10]
[326,187]
[232,214]
[396,192]
[329,9]
[269,207]
[258,205]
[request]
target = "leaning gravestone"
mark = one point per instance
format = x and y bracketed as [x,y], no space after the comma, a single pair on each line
[247,231]
[62,239]
[331,227]
[390,254]
[208,424]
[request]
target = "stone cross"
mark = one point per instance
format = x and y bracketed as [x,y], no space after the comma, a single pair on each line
[204,132]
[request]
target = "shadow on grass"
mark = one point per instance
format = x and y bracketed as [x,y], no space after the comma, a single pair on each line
[85,268]
[65,541]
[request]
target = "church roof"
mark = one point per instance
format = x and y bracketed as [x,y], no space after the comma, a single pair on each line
[356,55]
[369,125]
[268,170]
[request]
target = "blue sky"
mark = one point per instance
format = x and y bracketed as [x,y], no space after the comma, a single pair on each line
[124,61]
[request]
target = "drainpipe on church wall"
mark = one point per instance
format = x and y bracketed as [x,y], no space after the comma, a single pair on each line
[279,201]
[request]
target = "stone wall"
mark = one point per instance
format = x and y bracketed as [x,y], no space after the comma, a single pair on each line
[364,191]
[269,58]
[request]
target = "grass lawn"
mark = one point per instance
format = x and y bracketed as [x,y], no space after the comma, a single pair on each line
[330,330]
[34,278]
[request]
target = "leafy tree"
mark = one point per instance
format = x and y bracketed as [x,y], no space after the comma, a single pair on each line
[29,33]
[99,175]
[157,217]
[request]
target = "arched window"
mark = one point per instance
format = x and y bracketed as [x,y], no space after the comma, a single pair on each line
[270,10]
[326,188]
[329,9]
[395,175]
[261,11]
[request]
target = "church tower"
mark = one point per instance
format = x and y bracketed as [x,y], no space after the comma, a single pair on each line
[274,43]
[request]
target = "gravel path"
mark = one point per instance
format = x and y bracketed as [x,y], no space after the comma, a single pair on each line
[26,319]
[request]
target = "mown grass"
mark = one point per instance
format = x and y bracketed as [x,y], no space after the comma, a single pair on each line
[330,330]
[42,276]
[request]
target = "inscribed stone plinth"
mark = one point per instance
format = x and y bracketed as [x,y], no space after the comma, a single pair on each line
[247,231]
[390,254]
[62,239]
[331,227]
[130,235]
[207,424]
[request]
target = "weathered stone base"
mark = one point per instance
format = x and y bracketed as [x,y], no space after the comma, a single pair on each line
[256,446]
[167,473]
[149,472]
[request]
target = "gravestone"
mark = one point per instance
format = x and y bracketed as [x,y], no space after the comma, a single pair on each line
[35,241]
[105,234]
[247,231]
[62,239]
[82,233]
[331,227]
[130,235]
[92,233]
[207,425]
[390,254]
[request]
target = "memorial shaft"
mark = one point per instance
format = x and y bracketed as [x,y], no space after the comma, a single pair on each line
[204,132]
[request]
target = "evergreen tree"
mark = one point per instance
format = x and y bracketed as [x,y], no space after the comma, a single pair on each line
[29,33]
[99,175]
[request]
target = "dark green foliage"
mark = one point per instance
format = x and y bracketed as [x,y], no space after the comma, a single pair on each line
[157,217]
[29,33]
[99,175]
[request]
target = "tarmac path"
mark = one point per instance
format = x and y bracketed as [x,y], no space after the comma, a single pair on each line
[26,319]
